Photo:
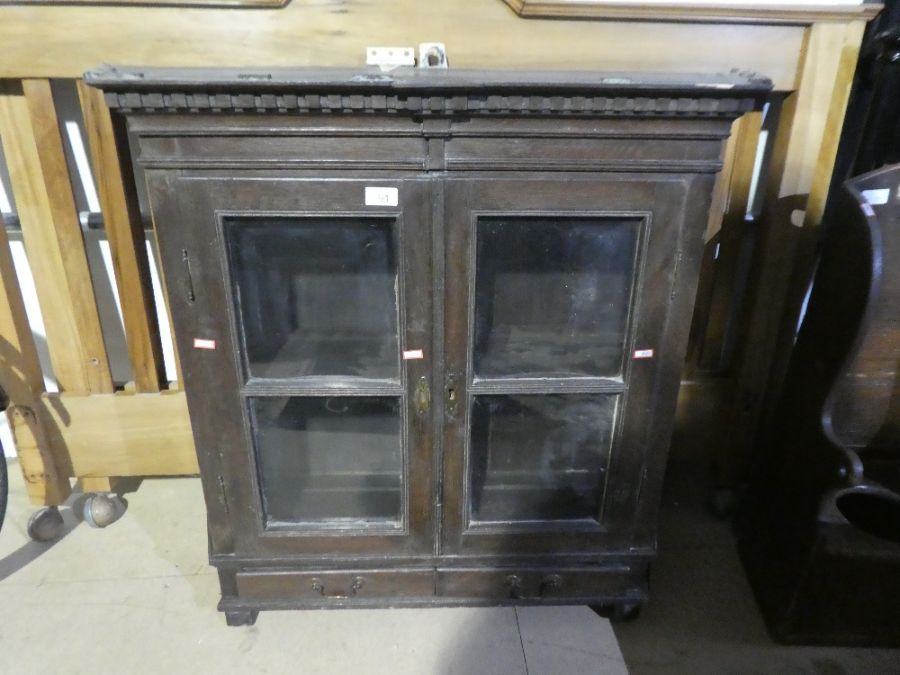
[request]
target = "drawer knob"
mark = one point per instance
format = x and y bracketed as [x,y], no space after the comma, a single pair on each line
[514,584]
[319,588]
[550,584]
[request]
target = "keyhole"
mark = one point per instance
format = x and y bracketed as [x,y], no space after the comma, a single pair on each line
[451,394]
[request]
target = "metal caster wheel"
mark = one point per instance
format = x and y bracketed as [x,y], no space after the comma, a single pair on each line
[618,612]
[101,510]
[45,524]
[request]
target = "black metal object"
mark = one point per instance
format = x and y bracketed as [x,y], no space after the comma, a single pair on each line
[870,138]
[819,532]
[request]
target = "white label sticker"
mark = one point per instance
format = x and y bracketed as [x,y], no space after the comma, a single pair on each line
[202,343]
[877,197]
[411,354]
[382,196]
[868,210]
[643,353]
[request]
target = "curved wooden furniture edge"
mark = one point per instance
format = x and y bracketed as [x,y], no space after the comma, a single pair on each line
[784,14]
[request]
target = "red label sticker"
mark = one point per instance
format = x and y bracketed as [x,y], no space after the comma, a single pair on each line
[202,343]
[643,353]
[411,354]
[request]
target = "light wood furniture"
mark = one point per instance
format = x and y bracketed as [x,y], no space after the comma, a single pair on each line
[810,59]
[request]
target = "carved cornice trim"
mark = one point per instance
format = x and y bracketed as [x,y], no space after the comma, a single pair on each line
[604,106]
[430,93]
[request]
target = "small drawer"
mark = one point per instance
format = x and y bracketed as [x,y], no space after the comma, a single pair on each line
[283,151]
[545,584]
[343,585]
[666,154]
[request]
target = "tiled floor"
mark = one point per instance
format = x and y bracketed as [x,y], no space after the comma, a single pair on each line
[138,597]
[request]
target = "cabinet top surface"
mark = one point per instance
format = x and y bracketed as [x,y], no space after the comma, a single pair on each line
[423,80]
[430,92]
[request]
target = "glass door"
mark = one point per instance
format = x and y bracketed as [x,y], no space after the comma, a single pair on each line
[543,305]
[318,299]
[317,312]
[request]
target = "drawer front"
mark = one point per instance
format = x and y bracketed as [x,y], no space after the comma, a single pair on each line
[268,141]
[277,151]
[561,154]
[343,585]
[540,584]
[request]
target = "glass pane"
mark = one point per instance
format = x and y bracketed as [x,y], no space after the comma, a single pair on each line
[552,295]
[330,461]
[316,296]
[539,457]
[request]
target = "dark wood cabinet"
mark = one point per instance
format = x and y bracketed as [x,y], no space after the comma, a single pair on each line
[431,324]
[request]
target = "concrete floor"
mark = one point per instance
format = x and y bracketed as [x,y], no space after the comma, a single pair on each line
[702,618]
[139,597]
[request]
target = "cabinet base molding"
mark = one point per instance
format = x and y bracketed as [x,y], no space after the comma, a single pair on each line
[265,588]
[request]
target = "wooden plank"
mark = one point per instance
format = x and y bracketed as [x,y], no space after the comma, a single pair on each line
[125,232]
[730,243]
[179,378]
[719,203]
[53,240]
[22,380]
[258,4]
[834,123]
[122,434]
[717,207]
[715,12]
[746,148]
[479,34]
[794,193]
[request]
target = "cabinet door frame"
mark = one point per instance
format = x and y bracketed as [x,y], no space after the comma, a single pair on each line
[189,213]
[641,437]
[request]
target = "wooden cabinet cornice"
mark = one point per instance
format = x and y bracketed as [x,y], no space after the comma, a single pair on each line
[431,323]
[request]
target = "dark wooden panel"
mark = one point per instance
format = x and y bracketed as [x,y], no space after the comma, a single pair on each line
[541,584]
[621,154]
[334,586]
[310,152]
[820,524]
